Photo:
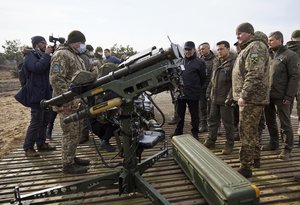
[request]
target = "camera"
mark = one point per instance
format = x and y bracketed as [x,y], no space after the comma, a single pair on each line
[54,40]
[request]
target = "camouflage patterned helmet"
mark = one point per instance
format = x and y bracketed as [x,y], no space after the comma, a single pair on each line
[99,52]
[83,77]
[99,49]
[89,47]
[261,36]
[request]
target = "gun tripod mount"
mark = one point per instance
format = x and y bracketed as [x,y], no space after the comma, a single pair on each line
[155,71]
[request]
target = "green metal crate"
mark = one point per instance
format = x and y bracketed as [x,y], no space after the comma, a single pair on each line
[214,179]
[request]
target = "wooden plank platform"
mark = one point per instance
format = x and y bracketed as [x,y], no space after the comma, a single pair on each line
[275,178]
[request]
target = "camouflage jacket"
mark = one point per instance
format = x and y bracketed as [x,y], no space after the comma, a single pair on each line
[64,64]
[250,74]
[284,74]
[87,60]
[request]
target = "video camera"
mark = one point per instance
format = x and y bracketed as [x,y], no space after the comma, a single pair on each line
[54,40]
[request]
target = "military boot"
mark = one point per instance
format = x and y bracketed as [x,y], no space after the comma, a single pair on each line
[45,147]
[227,149]
[209,145]
[285,154]
[269,147]
[256,163]
[74,169]
[203,128]
[246,172]
[173,121]
[31,153]
[105,145]
[81,162]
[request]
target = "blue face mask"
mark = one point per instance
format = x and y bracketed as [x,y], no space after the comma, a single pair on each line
[82,48]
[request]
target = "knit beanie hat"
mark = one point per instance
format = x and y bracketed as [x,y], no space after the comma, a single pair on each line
[75,36]
[245,27]
[37,39]
[89,47]
[296,34]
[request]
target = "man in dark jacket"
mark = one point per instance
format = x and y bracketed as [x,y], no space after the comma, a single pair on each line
[219,94]
[37,66]
[208,56]
[284,78]
[294,45]
[193,79]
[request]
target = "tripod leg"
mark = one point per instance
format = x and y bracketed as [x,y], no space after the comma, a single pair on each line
[145,188]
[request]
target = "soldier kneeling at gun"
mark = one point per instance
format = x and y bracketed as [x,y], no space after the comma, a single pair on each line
[104,126]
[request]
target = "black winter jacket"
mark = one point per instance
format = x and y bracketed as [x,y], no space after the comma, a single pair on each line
[284,72]
[194,76]
[37,67]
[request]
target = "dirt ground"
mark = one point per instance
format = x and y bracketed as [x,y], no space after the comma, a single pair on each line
[14,118]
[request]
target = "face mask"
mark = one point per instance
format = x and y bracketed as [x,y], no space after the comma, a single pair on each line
[92,54]
[82,48]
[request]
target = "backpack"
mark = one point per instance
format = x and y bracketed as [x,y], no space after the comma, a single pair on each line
[22,74]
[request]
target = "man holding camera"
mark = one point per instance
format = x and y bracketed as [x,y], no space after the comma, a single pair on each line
[64,64]
[36,66]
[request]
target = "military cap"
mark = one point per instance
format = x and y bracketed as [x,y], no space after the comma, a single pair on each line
[76,36]
[245,27]
[189,45]
[89,47]
[37,39]
[296,34]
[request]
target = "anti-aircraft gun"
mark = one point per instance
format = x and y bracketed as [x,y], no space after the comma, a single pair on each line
[154,71]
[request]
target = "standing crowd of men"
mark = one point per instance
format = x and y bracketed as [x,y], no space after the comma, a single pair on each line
[244,91]
[240,90]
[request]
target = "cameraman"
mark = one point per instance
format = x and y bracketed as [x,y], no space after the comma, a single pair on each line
[36,66]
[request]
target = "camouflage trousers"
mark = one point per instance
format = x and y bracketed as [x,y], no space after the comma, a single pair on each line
[249,117]
[70,138]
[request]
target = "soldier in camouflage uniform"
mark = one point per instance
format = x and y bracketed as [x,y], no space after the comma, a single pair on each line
[87,57]
[100,61]
[250,86]
[294,45]
[284,77]
[64,64]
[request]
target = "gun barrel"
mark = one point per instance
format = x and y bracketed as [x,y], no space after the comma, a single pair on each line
[94,110]
[125,69]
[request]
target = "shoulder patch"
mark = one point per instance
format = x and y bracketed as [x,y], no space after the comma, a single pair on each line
[56,68]
[254,58]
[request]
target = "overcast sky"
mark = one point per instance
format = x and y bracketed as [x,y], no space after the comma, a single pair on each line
[142,24]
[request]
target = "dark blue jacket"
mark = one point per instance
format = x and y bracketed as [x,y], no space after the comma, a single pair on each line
[113,59]
[194,77]
[37,68]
